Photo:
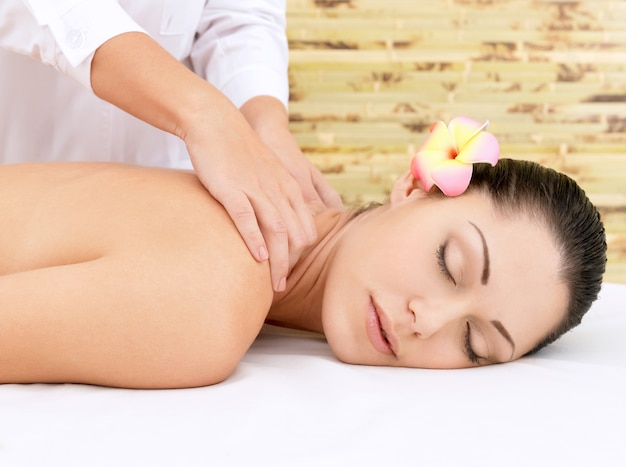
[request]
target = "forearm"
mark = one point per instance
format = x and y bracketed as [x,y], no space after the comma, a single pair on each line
[134,73]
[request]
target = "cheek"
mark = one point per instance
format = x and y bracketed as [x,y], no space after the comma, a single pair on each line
[441,351]
[408,263]
[338,306]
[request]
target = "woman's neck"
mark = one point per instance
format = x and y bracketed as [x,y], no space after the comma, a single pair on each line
[300,305]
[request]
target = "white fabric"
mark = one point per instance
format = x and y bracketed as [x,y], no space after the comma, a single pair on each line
[63,34]
[290,403]
[47,108]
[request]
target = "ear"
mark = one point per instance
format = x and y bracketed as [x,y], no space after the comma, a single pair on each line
[406,188]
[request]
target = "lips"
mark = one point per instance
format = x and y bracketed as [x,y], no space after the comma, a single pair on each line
[379,330]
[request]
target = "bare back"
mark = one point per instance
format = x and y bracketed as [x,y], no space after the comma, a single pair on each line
[122,276]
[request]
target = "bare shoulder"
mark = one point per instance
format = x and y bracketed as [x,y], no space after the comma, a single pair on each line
[74,212]
[122,276]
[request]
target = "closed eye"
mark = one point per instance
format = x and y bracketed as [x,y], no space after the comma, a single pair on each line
[441,262]
[471,355]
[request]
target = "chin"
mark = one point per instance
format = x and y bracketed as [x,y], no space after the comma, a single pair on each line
[341,343]
[343,331]
[348,353]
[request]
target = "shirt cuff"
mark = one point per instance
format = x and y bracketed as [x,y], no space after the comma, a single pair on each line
[255,81]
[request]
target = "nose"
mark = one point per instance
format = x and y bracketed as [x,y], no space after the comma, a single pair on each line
[429,316]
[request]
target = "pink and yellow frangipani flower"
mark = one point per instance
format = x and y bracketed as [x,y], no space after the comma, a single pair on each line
[446,158]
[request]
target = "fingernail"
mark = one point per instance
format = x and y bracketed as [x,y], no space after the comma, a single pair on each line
[282,285]
[263,255]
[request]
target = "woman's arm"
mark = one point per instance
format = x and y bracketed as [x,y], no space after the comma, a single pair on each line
[122,277]
[126,321]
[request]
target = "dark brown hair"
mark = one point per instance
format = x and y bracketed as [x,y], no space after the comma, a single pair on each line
[523,187]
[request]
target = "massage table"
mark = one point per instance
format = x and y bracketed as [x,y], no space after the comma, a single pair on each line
[291,403]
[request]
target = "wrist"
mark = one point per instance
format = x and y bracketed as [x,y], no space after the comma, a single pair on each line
[204,109]
[266,115]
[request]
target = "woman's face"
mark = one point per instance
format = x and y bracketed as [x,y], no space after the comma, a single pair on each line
[441,283]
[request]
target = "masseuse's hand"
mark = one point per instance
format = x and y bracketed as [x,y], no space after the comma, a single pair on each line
[266,203]
[269,119]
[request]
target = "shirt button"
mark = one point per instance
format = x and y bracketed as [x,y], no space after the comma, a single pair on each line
[75,38]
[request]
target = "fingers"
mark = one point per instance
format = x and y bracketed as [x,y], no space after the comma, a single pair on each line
[286,236]
[276,227]
[276,234]
[243,216]
[288,228]
[317,191]
[264,193]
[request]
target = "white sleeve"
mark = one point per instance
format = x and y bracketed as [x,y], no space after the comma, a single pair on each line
[241,48]
[62,33]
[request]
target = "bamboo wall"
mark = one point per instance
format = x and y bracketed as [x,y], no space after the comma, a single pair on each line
[368,77]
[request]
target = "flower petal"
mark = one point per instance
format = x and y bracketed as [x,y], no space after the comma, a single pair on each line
[439,140]
[483,147]
[422,165]
[437,148]
[452,177]
[446,157]
[463,129]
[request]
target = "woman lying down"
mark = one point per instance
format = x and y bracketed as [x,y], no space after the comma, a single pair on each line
[134,277]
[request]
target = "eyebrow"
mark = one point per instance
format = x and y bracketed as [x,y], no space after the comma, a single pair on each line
[502,330]
[485,277]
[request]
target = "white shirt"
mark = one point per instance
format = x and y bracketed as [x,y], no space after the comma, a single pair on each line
[48,110]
